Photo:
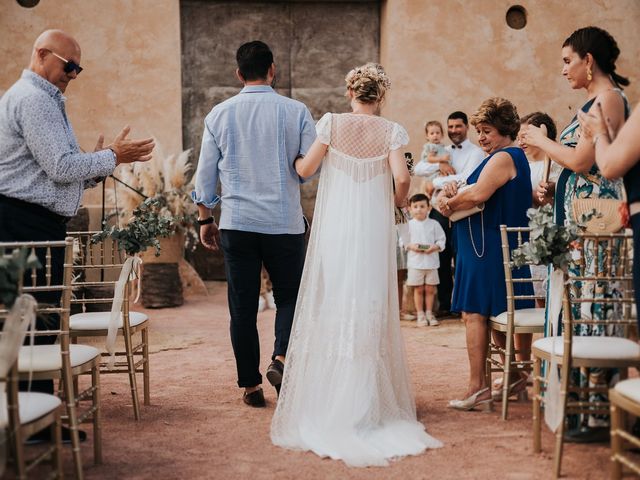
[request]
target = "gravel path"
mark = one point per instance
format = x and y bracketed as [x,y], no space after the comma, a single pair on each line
[198,428]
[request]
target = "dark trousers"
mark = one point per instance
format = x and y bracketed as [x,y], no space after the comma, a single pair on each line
[244,254]
[445,288]
[21,222]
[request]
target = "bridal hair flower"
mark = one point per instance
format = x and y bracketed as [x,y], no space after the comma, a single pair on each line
[368,82]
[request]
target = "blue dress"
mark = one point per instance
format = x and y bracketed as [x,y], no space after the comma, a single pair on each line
[479,285]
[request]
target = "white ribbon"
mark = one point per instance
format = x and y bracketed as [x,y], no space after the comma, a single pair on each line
[552,411]
[131,266]
[21,316]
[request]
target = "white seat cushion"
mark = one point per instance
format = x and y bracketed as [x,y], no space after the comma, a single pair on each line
[605,348]
[527,317]
[47,357]
[100,320]
[32,405]
[629,388]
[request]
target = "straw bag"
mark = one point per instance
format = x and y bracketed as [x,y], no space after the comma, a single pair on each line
[608,216]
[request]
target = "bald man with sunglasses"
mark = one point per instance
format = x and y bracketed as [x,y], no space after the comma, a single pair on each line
[43,171]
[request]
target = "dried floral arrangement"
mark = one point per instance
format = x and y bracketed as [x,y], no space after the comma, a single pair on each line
[165,178]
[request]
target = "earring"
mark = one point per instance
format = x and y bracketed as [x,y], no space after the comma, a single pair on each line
[589,75]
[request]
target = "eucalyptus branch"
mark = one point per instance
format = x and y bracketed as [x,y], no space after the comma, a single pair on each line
[549,243]
[142,231]
[12,267]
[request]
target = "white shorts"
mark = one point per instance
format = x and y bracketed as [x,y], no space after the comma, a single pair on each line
[418,276]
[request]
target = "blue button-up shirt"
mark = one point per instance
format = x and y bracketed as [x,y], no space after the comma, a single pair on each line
[249,144]
[40,160]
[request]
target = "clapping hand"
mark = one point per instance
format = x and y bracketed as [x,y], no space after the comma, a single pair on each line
[128,151]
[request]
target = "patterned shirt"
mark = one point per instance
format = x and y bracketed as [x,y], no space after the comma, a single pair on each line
[40,160]
[250,143]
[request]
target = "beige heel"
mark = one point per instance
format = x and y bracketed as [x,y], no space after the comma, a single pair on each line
[472,402]
[484,406]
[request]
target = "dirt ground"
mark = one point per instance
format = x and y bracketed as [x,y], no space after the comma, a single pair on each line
[197,426]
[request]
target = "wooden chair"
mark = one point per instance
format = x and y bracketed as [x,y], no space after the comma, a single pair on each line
[512,322]
[572,351]
[62,361]
[98,267]
[624,399]
[25,413]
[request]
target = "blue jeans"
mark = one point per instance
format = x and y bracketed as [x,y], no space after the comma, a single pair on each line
[244,254]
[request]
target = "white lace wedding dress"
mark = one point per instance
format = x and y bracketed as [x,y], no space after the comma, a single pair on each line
[346,392]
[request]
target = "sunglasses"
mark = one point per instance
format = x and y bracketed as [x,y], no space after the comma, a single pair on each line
[69,65]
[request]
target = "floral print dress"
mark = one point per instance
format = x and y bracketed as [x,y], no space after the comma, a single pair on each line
[573,185]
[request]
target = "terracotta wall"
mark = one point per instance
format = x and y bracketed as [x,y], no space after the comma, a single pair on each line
[131,61]
[447,55]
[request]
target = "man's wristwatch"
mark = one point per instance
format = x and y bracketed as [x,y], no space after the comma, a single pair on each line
[205,221]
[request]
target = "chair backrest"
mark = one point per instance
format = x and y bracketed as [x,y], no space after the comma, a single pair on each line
[97,267]
[518,236]
[598,290]
[50,285]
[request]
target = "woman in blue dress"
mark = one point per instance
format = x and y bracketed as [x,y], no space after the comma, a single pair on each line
[589,56]
[502,182]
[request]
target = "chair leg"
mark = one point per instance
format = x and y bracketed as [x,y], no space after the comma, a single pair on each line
[18,452]
[57,453]
[564,388]
[506,375]
[97,413]
[145,366]
[132,374]
[616,442]
[73,428]
[536,405]
[488,365]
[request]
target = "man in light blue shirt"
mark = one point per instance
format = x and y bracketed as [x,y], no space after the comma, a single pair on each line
[249,146]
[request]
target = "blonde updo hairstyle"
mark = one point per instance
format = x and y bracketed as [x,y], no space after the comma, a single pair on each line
[501,114]
[368,83]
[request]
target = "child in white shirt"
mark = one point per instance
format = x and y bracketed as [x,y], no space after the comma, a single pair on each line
[427,238]
[433,153]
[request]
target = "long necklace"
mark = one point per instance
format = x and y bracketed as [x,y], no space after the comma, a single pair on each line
[473,244]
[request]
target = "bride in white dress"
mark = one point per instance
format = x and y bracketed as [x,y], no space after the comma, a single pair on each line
[346,392]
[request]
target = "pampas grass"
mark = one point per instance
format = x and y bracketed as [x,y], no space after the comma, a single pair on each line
[167,177]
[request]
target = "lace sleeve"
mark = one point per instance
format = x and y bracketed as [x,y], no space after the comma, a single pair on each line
[323,129]
[399,137]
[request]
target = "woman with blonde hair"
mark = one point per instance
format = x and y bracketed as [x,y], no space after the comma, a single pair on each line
[346,392]
[502,182]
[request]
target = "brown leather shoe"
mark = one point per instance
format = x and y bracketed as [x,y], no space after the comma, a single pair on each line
[254,399]
[274,374]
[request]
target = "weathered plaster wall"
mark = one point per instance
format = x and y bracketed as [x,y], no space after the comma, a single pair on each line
[131,61]
[447,55]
